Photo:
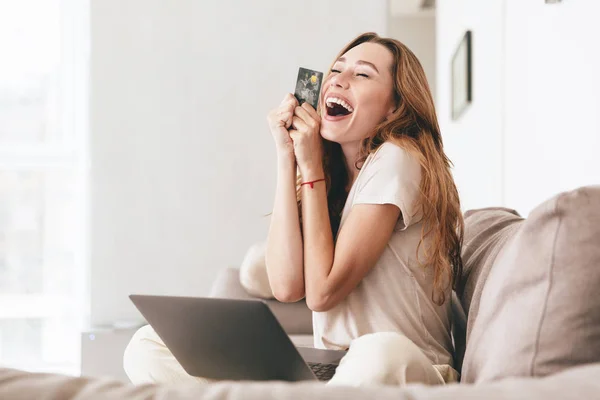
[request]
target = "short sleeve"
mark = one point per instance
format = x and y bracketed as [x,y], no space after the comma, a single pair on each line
[392,176]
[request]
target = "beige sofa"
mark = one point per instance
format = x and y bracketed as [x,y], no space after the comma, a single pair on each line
[527,319]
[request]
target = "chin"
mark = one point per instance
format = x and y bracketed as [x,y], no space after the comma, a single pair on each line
[339,136]
[332,136]
[334,132]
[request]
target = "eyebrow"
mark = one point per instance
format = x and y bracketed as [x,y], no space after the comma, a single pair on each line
[360,62]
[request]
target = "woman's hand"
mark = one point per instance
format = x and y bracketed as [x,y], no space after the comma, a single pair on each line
[306,137]
[280,119]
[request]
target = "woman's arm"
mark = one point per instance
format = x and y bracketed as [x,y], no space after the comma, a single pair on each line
[284,245]
[332,273]
[283,256]
[387,195]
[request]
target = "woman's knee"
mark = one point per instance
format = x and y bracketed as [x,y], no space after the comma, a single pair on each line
[387,358]
[137,358]
[386,348]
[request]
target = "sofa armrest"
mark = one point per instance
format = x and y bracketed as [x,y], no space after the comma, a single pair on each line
[22,385]
[576,383]
[296,318]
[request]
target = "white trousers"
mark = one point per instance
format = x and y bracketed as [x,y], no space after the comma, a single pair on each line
[385,358]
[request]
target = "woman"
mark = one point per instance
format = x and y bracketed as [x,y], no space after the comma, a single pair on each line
[366,223]
[373,237]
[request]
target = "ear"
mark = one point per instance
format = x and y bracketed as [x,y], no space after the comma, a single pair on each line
[390,112]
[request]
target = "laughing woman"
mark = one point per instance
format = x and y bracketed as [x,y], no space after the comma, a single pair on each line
[366,223]
[371,233]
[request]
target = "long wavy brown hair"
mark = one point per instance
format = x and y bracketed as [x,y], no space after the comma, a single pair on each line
[415,128]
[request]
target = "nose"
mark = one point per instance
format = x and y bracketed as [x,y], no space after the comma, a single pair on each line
[340,80]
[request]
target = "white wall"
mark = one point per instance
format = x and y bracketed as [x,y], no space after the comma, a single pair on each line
[553,99]
[533,129]
[183,165]
[473,142]
[417,31]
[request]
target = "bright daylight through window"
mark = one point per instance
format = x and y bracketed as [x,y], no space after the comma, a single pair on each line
[43,131]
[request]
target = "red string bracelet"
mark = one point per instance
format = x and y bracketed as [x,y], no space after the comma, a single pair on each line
[312,183]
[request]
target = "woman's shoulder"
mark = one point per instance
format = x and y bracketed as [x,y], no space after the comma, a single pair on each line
[392,175]
[390,164]
[393,156]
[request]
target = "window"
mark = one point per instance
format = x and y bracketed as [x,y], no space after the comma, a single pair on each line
[43,158]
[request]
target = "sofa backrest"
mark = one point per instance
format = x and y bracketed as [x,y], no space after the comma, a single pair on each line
[530,288]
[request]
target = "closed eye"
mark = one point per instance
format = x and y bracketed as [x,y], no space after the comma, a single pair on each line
[337,71]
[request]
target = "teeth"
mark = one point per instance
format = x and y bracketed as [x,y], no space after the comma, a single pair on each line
[339,101]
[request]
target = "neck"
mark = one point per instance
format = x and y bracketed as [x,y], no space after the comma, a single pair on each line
[350,151]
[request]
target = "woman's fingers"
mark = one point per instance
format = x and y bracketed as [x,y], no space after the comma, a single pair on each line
[280,119]
[305,115]
[299,124]
[302,114]
[289,99]
[286,109]
[296,138]
[286,117]
[311,111]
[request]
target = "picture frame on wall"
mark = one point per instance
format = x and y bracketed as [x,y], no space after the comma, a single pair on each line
[462,91]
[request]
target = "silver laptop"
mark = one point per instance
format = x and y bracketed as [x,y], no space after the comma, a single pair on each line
[228,339]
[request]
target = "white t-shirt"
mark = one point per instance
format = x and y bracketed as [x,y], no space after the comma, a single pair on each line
[396,295]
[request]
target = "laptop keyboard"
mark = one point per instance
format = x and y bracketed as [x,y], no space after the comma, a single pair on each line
[324,372]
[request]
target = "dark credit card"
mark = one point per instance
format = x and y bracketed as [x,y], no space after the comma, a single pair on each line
[308,86]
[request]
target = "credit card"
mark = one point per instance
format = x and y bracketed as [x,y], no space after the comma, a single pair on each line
[308,86]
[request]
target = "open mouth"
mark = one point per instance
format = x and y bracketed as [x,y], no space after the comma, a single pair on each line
[337,107]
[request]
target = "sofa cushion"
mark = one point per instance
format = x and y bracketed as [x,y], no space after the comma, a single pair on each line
[486,231]
[539,310]
[253,272]
[295,318]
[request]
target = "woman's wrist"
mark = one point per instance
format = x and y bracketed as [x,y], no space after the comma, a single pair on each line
[286,166]
[285,156]
[312,174]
